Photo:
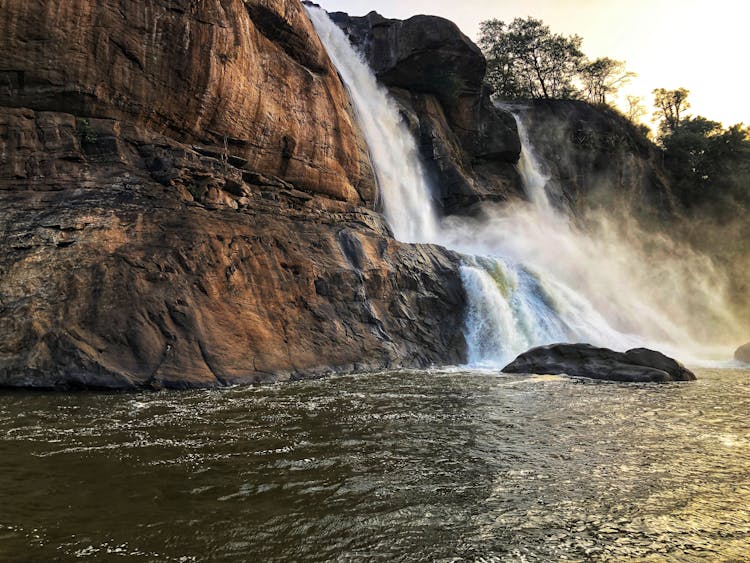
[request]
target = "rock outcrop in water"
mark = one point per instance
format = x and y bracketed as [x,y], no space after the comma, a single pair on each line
[743,353]
[436,74]
[639,365]
[186,200]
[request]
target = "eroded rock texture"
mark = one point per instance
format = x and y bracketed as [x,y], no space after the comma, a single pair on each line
[437,75]
[185,200]
[249,77]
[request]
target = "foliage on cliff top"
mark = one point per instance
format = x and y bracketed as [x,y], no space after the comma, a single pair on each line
[710,164]
[526,60]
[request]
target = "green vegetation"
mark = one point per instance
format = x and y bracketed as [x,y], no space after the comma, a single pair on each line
[526,60]
[670,106]
[601,78]
[710,169]
[710,164]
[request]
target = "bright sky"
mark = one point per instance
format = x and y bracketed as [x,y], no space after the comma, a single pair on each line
[701,45]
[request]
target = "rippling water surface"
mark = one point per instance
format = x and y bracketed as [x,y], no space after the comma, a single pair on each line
[401,465]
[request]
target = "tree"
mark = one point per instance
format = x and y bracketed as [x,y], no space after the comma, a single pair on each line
[501,71]
[670,106]
[603,77]
[636,110]
[710,164]
[525,59]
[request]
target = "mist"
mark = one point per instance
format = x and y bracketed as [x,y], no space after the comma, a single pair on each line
[539,271]
[612,276]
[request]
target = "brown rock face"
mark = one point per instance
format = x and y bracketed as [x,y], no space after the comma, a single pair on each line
[437,75]
[182,202]
[249,77]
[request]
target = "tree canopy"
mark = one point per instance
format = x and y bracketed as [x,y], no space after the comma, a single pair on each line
[526,60]
[710,163]
[670,107]
[603,77]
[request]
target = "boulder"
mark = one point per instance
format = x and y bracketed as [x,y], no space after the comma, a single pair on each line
[422,53]
[743,353]
[639,365]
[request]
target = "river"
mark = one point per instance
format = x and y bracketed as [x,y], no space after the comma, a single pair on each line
[411,465]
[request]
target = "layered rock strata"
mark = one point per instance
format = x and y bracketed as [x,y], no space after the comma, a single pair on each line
[186,200]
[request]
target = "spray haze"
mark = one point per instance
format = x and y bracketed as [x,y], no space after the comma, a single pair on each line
[532,274]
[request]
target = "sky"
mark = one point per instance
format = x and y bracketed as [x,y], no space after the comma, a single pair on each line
[701,45]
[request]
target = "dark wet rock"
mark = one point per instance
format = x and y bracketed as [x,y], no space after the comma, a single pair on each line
[639,365]
[743,353]
[436,74]
[423,53]
[595,157]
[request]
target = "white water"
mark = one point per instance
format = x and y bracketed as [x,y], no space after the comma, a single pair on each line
[532,277]
[406,198]
[530,169]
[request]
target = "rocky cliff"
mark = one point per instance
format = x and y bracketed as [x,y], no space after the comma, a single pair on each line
[186,200]
[596,157]
[436,74]
[471,144]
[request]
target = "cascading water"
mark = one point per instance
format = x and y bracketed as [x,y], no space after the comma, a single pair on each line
[530,170]
[530,275]
[407,202]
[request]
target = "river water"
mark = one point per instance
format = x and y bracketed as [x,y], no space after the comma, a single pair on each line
[408,465]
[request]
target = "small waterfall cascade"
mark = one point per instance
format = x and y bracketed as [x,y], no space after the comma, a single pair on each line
[530,170]
[531,277]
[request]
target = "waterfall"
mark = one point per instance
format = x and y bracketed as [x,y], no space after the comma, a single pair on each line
[531,277]
[406,197]
[530,170]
